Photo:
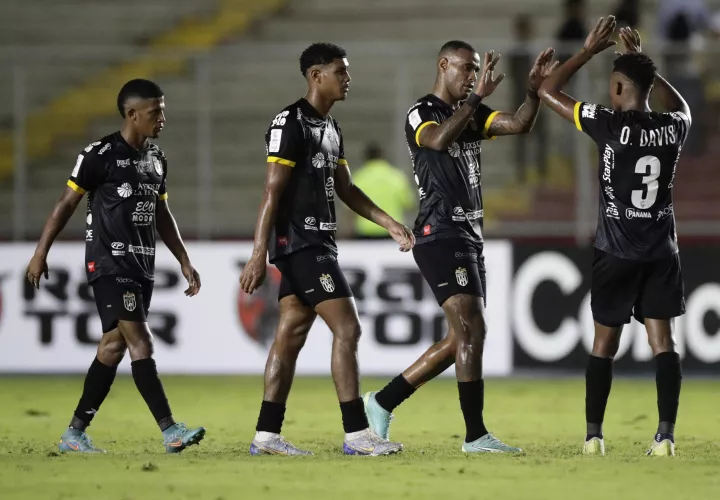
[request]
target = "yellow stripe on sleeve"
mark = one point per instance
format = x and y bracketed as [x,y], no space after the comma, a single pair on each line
[75,187]
[577,116]
[342,161]
[488,122]
[417,134]
[281,161]
[163,196]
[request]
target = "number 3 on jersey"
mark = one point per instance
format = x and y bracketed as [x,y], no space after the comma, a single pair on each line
[649,168]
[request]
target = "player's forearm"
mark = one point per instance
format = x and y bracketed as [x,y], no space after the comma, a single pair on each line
[358,202]
[54,225]
[559,78]
[526,114]
[265,222]
[670,99]
[170,234]
[448,131]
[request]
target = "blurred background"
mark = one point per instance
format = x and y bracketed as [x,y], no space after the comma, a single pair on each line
[228,66]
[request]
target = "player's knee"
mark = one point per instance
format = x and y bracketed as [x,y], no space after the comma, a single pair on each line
[606,346]
[142,348]
[349,333]
[662,343]
[292,338]
[111,352]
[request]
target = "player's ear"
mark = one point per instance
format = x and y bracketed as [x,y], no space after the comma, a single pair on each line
[619,88]
[315,75]
[443,64]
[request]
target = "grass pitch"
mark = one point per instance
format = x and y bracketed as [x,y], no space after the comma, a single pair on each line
[544,417]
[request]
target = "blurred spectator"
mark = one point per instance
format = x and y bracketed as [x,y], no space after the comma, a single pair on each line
[679,23]
[387,186]
[522,55]
[627,13]
[572,32]
[679,20]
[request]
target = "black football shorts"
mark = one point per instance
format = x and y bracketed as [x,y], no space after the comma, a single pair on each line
[622,288]
[313,275]
[452,266]
[120,298]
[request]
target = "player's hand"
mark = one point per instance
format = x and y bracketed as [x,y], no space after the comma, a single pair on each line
[487,83]
[542,68]
[631,40]
[253,274]
[193,279]
[402,235]
[38,267]
[599,38]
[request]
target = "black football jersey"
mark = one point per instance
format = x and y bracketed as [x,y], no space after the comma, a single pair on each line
[312,146]
[123,186]
[638,154]
[448,181]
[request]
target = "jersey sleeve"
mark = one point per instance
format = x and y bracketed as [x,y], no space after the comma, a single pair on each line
[484,116]
[341,156]
[162,192]
[682,124]
[595,120]
[420,116]
[89,171]
[284,140]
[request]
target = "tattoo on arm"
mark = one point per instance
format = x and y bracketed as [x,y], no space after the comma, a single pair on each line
[441,136]
[521,122]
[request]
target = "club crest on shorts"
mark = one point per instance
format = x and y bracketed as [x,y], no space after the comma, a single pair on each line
[129,301]
[461,276]
[327,283]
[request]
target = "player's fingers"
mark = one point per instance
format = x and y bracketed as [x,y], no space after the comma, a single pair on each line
[499,79]
[487,58]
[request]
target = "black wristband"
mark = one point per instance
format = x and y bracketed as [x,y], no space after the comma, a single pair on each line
[473,100]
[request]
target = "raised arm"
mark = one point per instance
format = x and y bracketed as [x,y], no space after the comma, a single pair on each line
[523,120]
[551,90]
[439,136]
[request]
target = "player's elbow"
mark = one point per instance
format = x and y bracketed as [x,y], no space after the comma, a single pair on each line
[544,93]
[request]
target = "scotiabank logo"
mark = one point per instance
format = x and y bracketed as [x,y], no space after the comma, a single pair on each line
[552,321]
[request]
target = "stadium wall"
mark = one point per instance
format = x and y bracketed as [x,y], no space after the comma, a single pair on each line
[538,313]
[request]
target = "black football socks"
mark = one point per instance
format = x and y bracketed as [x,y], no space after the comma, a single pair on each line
[98,381]
[148,382]
[393,394]
[598,381]
[472,398]
[668,379]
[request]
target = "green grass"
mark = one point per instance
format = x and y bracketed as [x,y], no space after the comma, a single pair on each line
[545,417]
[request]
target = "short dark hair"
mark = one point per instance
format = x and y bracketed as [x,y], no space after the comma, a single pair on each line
[455,45]
[638,67]
[320,53]
[139,89]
